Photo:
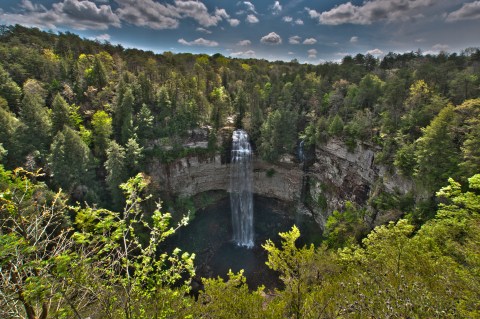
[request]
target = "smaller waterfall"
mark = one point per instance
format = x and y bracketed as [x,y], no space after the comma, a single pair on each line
[241,198]
[302,158]
[301,151]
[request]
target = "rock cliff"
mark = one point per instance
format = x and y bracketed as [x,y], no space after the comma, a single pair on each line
[334,177]
[194,175]
[338,175]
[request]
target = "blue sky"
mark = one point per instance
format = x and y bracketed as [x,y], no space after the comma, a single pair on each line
[311,31]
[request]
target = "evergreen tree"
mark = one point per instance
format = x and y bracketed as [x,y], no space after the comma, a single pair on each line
[123,117]
[9,90]
[70,160]
[98,74]
[220,107]
[144,124]
[35,131]
[102,130]
[336,126]
[116,171]
[8,132]
[437,154]
[133,154]
[278,135]
[240,104]
[60,114]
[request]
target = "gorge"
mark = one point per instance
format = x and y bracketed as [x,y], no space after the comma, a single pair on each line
[334,175]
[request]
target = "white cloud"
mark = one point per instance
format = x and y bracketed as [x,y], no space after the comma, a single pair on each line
[294,40]
[252,19]
[312,54]
[147,13]
[354,39]
[291,53]
[199,12]
[248,5]
[468,11]
[310,41]
[244,42]
[199,42]
[234,22]
[370,11]
[200,29]
[155,15]
[271,38]
[375,52]
[80,15]
[248,54]
[276,8]
[29,6]
[440,47]
[102,37]
[437,48]
[289,19]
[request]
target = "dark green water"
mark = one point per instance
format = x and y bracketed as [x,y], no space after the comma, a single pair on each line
[209,236]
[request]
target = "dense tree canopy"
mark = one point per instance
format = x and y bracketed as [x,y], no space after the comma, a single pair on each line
[92,115]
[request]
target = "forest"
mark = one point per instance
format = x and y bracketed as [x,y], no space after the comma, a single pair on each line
[80,233]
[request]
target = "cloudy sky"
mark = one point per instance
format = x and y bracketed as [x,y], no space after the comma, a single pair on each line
[309,30]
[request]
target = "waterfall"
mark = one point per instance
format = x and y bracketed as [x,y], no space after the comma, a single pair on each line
[301,152]
[241,198]
[302,158]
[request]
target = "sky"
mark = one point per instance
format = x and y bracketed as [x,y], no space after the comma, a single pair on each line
[311,31]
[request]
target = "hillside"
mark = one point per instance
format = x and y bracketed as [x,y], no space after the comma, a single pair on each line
[85,117]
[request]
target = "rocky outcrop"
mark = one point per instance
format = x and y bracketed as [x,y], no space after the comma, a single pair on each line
[338,175]
[194,175]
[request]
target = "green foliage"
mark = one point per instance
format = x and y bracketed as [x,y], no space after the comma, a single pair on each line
[60,114]
[9,90]
[9,125]
[369,91]
[134,155]
[123,117]
[471,146]
[436,152]
[293,266]
[220,107]
[70,160]
[346,227]
[277,135]
[102,130]
[127,275]
[336,126]
[103,267]
[33,235]
[144,124]
[230,299]
[405,159]
[35,131]
[398,104]
[116,171]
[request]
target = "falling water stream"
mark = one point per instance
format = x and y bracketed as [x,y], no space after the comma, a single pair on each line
[241,198]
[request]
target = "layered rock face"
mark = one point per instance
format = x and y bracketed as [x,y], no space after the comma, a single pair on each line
[334,177]
[338,175]
[194,175]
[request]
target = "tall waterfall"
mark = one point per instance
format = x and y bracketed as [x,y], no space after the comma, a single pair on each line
[241,198]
